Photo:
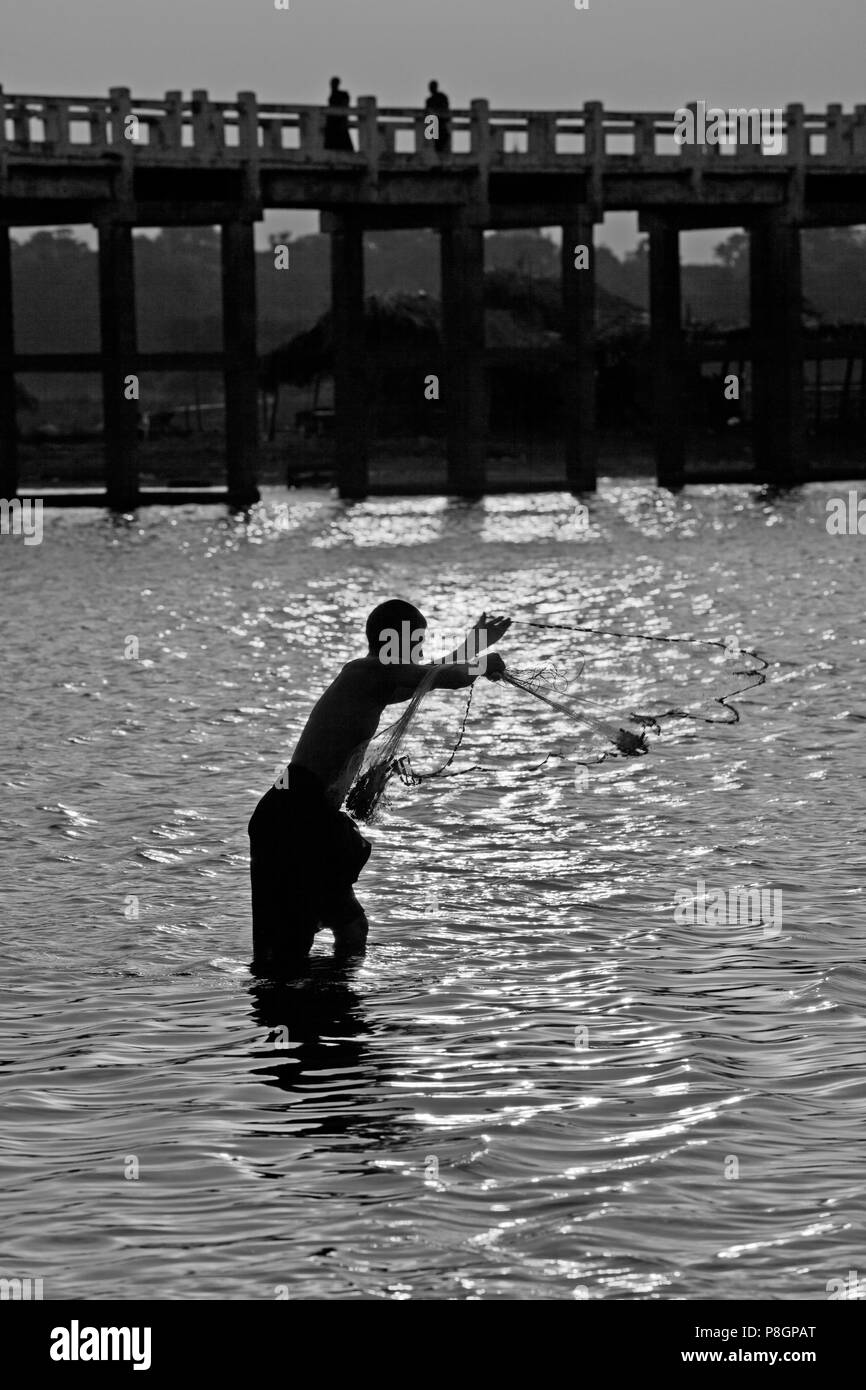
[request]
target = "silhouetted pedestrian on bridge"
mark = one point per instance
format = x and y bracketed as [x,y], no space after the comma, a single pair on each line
[437,103]
[337,135]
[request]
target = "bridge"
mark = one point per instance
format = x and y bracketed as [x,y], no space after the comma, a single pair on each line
[119,163]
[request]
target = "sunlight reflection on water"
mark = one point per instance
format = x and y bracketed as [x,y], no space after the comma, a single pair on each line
[424,1124]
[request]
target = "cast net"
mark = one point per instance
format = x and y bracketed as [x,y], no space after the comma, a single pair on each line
[614,697]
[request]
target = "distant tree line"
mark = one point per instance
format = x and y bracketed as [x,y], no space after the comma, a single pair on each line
[179,304]
[178,282]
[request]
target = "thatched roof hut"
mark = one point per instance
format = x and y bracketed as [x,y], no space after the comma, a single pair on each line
[523,319]
[394,322]
[521,311]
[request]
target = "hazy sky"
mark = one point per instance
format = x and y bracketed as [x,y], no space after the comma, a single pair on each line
[656,53]
[652,54]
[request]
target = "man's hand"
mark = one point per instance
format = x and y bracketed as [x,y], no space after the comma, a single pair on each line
[483,635]
[494,667]
[489,629]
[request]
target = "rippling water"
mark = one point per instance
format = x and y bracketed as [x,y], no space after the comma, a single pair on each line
[432,1122]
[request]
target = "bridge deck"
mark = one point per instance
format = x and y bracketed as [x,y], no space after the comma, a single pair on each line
[120,162]
[507,164]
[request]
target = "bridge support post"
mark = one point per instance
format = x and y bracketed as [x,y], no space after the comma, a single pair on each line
[778,415]
[350,370]
[120,405]
[578,375]
[666,344]
[240,370]
[8,429]
[462,256]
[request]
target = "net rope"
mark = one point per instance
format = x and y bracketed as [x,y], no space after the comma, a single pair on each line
[379,765]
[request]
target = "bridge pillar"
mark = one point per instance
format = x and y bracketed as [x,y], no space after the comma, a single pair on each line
[666,344]
[120,408]
[778,415]
[8,430]
[462,256]
[350,373]
[240,369]
[578,338]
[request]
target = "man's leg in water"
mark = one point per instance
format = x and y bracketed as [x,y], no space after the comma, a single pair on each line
[287,915]
[284,916]
[347,919]
[284,920]
[340,909]
[302,867]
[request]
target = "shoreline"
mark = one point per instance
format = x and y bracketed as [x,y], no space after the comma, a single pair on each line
[176,471]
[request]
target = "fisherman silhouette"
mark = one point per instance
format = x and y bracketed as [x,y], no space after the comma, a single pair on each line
[337,135]
[437,103]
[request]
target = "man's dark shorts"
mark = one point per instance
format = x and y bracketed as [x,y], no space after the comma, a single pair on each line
[304,858]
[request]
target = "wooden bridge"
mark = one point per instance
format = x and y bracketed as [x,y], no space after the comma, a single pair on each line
[119,163]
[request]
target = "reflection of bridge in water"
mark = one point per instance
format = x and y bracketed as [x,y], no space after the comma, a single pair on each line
[120,163]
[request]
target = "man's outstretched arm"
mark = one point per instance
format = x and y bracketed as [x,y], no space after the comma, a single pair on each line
[450,675]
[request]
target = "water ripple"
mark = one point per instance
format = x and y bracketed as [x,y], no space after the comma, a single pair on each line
[540,1083]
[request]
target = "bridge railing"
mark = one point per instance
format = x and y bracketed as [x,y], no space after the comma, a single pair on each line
[195,129]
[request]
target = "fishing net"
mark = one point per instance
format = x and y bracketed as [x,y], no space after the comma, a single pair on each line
[584,687]
[381,761]
[540,684]
[634,665]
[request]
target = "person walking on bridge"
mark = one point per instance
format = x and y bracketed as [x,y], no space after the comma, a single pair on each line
[337,135]
[437,103]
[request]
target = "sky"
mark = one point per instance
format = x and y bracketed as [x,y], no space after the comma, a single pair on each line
[629,54]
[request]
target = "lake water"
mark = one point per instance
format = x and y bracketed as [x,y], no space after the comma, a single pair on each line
[539,1083]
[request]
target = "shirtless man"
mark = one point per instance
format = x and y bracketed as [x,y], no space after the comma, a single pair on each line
[305,853]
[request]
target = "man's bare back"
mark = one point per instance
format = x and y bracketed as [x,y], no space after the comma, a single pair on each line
[341,724]
[346,716]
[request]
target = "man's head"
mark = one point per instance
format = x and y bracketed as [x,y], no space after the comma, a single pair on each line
[434,87]
[335,82]
[395,625]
